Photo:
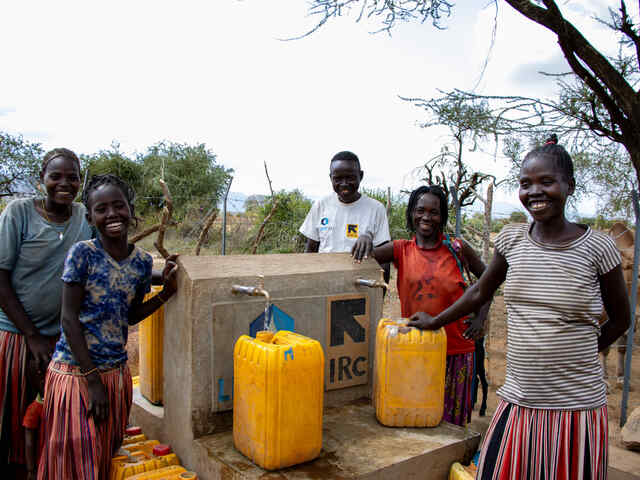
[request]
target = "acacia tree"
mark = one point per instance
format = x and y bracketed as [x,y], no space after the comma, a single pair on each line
[601,100]
[390,11]
[19,164]
[469,122]
[612,100]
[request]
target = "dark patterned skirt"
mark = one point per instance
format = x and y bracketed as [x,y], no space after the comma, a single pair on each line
[457,389]
[14,398]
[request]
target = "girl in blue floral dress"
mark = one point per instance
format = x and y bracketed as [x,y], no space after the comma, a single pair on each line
[88,390]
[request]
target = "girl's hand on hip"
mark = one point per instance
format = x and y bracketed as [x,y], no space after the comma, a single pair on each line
[423,321]
[98,401]
[475,328]
[170,276]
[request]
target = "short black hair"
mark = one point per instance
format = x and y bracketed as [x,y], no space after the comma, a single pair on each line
[59,152]
[347,157]
[436,190]
[557,153]
[97,181]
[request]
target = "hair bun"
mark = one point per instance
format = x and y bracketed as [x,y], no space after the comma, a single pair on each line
[552,140]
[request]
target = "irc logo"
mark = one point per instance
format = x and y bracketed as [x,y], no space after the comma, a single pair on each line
[352,230]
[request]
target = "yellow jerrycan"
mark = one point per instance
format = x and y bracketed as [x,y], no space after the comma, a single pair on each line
[133,463]
[174,472]
[409,375]
[460,472]
[150,337]
[278,391]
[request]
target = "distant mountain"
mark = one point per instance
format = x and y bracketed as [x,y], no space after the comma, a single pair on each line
[505,208]
[235,202]
[500,209]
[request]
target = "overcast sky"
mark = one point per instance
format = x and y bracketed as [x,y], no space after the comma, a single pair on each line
[84,74]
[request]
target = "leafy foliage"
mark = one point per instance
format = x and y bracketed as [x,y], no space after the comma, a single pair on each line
[281,231]
[396,214]
[192,173]
[117,163]
[194,177]
[19,164]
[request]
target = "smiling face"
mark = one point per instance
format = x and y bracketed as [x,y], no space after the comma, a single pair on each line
[345,178]
[426,216]
[61,179]
[109,211]
[544,188]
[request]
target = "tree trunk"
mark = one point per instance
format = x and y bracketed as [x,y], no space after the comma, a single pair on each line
[486,231]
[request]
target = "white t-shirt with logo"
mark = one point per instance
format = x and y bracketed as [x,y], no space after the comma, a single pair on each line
[338,225]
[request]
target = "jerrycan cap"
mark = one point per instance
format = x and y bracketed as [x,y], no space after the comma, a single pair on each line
[188,475]
[133,431]
[161,449]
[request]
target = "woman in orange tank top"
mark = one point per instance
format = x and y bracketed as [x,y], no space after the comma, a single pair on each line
[430,279]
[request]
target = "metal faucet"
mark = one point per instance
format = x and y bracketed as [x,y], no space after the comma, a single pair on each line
[371,283]
[258,291]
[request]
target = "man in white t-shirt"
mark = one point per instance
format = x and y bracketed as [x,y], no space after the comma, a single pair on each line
[338,222]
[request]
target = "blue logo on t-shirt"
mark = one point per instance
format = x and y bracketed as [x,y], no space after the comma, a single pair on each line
[324,221]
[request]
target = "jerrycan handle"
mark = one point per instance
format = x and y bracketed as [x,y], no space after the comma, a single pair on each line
[265,336]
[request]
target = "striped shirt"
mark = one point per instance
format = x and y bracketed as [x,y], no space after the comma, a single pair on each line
[553,300]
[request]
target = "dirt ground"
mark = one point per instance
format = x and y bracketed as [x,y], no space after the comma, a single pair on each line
[495,366]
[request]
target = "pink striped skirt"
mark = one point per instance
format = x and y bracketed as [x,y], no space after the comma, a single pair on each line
[13,395]
[75,447]
[534,444]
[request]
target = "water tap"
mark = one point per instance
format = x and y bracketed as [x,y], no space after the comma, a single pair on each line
[371,283]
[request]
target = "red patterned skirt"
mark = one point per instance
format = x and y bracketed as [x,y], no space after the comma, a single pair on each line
[14,398]
[535,444]
[75,447]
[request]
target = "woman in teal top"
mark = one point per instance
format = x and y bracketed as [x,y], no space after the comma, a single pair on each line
[35,235]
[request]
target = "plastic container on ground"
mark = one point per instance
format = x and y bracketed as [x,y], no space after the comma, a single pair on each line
[277,398]
[409,374]
[150,338]
[145,446]
[141,437]
[173,472]
[139,462]
[460,472]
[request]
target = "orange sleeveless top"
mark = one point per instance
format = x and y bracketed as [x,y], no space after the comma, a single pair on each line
[429,280]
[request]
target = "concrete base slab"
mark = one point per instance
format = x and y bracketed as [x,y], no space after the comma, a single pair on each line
[147,416]
[623,464]
[355,446]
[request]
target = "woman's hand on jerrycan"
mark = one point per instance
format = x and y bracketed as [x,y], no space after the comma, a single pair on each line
[423,321]
[170,276]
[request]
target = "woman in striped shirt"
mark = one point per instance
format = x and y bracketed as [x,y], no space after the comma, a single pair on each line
[551,422]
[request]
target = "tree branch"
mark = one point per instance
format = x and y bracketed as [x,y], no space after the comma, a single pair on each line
[574,41]
[166,216]
[268,178]
[205,229]
[258,239]
[626,26]
[145,233]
